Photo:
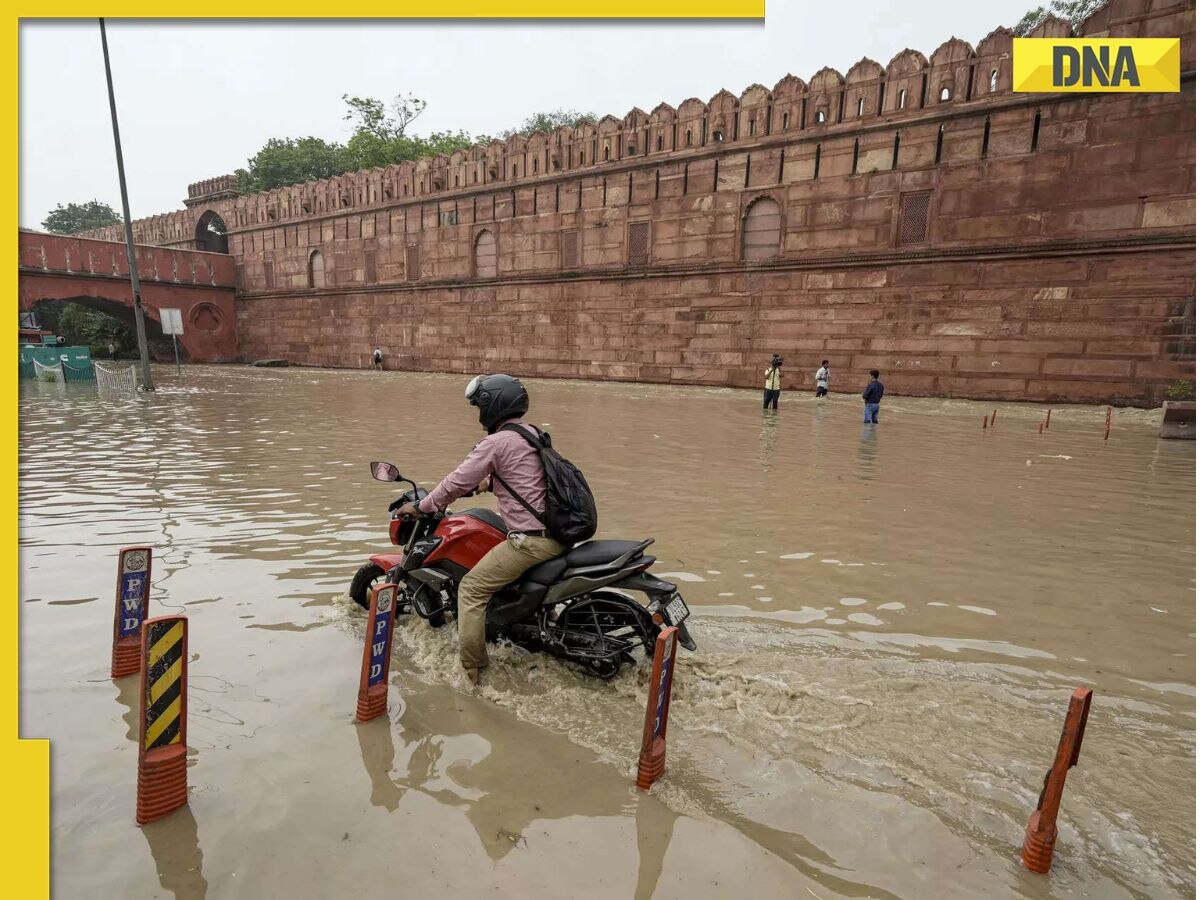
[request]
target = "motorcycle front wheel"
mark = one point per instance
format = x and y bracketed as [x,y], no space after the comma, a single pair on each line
[366,579]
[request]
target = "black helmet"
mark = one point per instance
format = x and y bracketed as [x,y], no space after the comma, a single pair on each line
[499,398]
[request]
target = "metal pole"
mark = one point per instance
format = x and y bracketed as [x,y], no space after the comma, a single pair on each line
[138,314]
[175,344]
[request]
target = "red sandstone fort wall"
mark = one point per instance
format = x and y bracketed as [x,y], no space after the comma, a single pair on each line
[918,217]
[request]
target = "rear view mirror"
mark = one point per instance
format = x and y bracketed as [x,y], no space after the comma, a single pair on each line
[385,471]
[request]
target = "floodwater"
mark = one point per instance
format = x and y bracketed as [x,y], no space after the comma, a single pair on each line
[890,622]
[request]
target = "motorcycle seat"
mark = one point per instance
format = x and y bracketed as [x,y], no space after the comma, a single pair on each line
[596,553]
[592,553]
[548,572]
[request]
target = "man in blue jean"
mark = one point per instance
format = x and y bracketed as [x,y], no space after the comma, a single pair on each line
[871,397]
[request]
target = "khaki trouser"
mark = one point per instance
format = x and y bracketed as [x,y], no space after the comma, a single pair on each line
[503,564]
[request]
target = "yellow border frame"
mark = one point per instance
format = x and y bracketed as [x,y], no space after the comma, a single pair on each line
[25,764]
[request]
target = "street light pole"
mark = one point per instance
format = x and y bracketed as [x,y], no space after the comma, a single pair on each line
[138,313]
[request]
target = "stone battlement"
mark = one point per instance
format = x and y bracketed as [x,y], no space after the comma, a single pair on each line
[910,87]
[918,217]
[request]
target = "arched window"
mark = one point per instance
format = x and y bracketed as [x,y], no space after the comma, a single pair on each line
[316,270]
[861,103]
[211,233]
[689,137]
[535,165]
[718,135]
[581,157]
[820,115]
[753,123]
[485,254]
[994,81]
[900,100]
[943,95]
[761,230]
[659,142]
[786,116]
[606,152]
[514,170]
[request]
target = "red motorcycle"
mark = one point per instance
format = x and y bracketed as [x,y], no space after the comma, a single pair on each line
[572,607]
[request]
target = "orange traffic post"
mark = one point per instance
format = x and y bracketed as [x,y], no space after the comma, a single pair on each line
[1042,830]
[162,737]
[653,760]
[377,654]
[132,605]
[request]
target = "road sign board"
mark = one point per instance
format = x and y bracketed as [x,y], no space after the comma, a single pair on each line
[171,320]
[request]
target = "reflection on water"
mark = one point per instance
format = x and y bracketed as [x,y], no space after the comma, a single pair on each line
[175,846]
[885,654]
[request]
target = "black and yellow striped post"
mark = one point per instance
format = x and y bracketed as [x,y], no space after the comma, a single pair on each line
[162,745]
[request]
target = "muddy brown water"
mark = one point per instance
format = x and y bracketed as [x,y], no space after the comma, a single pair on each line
[890,623]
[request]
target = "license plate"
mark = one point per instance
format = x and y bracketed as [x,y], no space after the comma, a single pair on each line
[676,610]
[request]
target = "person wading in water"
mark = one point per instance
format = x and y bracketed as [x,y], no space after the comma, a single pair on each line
[772,385]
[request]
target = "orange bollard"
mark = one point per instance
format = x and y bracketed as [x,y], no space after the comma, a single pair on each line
[1042,830]
[132,605]
[993,418]
[162,733]
[377,654]
[653,760]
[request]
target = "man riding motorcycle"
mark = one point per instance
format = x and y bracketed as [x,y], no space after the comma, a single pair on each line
[501,400]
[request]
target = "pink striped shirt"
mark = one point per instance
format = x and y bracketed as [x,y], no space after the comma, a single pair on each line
[511,457]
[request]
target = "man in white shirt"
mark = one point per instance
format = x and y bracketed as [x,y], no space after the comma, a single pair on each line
[823,378]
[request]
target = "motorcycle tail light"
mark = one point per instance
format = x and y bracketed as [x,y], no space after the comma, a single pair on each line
[394,532]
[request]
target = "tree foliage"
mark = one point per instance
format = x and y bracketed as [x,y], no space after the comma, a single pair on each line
[379,137]
[86,327]
[548,121]
[283,161]
[76,217]
[1074,11]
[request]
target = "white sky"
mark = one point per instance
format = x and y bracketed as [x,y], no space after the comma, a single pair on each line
[197,99]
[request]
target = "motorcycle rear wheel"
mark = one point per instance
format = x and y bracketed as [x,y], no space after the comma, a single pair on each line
[612,616]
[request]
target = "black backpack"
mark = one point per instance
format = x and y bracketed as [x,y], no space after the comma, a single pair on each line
[570,515]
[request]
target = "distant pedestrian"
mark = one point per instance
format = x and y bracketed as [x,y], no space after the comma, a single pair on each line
[823,379]
[871,397]
[773,382]
[378,357]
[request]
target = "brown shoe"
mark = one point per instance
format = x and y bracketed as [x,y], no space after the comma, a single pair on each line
[474,675]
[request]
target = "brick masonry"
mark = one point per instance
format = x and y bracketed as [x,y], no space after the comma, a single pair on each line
[96,274]
[990,244]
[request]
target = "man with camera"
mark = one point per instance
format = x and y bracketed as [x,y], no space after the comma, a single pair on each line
[772,386]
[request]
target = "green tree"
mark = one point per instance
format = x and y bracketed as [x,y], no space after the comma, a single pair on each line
[284,161]
[548,121]
[88,327]
[76,217]
[379,137]
[1074,11]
